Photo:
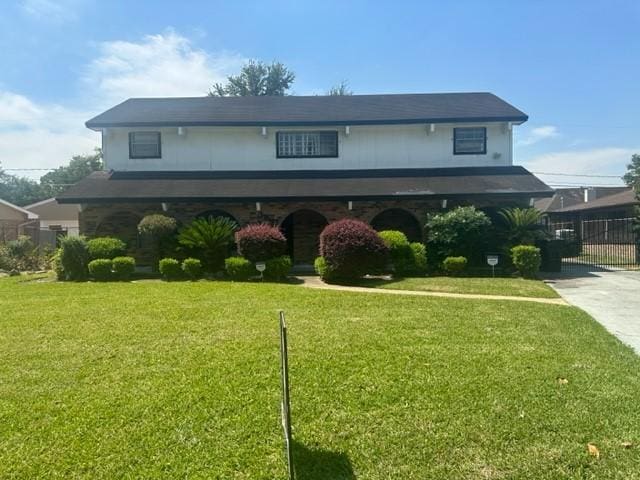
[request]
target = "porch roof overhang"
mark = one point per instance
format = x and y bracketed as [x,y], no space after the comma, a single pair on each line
[231,186]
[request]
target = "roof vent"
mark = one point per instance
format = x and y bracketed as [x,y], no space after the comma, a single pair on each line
[589,194]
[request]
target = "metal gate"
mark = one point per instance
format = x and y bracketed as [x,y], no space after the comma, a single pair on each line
[602,243]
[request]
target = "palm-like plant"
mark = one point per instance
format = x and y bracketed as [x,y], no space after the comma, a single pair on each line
[523,225]
[209,240]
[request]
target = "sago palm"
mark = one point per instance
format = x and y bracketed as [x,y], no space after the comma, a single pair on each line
[209,239]
[523,225]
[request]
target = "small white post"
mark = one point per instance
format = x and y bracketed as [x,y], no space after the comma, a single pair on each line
[350,205]
[444,203]
[258,207]
[165,206]
[347,130]
[264,132]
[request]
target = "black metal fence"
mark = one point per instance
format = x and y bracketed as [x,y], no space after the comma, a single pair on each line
[601,243]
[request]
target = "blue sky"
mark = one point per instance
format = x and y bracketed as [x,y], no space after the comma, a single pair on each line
[573,66]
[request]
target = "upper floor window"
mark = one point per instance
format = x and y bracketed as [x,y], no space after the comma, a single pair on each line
[467,141]
[144,145]
[307,144]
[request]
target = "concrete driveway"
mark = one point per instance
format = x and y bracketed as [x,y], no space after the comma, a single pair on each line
[612,298]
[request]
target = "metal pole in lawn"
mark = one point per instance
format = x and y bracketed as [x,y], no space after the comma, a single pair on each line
[285,404]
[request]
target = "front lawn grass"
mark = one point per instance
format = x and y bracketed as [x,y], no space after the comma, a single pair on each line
[517,287]
[181,380]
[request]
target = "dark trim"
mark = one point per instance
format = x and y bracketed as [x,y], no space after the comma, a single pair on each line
[290,174]
[321,123]
[141,157]
[337,198]
[335,135]
[455,138]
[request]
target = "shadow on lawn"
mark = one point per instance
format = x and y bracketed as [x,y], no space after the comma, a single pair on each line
[317,464]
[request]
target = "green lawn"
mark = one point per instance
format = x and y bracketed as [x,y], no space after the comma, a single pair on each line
[517,287]
[181,380]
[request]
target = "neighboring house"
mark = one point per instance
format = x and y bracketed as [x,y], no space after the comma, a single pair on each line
[61,219]
[569,197]
[301,162]
[16,221]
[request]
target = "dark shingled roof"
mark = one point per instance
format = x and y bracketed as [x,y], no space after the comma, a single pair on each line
[316,110]
[621,199]
[317,185]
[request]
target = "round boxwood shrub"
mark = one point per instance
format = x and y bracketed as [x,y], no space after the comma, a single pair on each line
[74,258]
[123,267]
[351,248]
[239,268]
[192,268]
[56,265]
[454,265]
[278,268]
[260,242]
[170,269]
[160,231]
[399,250]
[100,269]
[527,259]
[106,247]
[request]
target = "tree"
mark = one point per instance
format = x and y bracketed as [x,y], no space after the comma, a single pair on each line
[523,225]
[19,190]
[24,191]
[79,167]
[632,177]
[340,89]
[256,79]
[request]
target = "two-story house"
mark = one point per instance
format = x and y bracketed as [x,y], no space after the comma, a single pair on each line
[301,162]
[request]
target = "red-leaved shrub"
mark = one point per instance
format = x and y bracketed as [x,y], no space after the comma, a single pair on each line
[260,241]
[352,248]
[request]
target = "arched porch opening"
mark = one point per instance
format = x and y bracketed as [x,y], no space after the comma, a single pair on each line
[398,219]
[302,229]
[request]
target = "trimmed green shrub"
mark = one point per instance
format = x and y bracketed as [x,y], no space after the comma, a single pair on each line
[123,267]
[170,268]
[278,268]
[106,247]
[351,249]
[74,258]
[56,265]
[461,231]
[239,268]
[454,265]
[7,262]
[419,251]
[322,269]
[192,268]
[526,259]
[100,269]
[260,241]
[209,240]
[399,250]
[160,231]
[20,247]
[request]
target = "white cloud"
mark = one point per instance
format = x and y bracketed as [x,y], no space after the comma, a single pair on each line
[52,11]
[610,161]
[44,135]
[160,65]
[538,134]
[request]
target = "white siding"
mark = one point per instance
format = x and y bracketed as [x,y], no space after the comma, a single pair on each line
[244,148]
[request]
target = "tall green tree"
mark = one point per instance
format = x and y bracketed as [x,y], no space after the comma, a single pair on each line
[19,190]
[632,178]
[340,89]
[24,191]
[79,167]
[256,79]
